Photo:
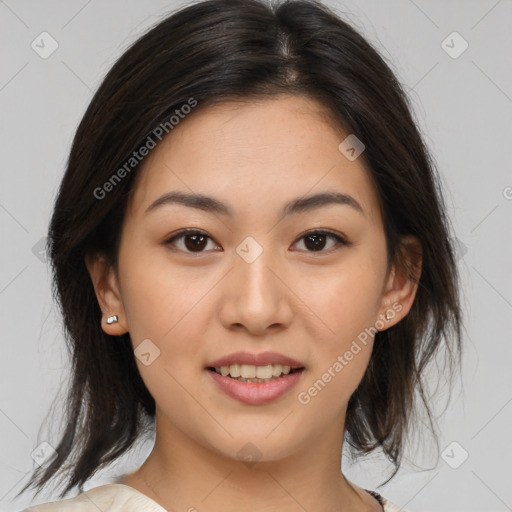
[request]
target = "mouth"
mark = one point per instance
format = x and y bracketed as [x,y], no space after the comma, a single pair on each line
[247,365]
[255,384]
[253,373]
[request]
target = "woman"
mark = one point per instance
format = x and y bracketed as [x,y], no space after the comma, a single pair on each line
[252,257]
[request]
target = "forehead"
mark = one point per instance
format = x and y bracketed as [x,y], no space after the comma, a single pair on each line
[246,152]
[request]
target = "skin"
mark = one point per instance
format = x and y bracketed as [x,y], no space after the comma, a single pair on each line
[196,307]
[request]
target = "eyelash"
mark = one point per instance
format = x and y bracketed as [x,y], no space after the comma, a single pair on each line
[339,239]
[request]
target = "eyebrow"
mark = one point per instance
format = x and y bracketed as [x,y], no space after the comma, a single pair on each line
[295,206]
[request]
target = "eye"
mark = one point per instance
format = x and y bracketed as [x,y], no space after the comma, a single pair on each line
[193,240]
[315,241]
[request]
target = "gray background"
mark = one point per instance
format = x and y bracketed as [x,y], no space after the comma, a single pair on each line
[463,105]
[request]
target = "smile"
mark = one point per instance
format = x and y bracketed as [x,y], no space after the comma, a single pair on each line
[255,385]
[253,373]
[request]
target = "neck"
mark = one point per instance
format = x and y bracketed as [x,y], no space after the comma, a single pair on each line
[181,474]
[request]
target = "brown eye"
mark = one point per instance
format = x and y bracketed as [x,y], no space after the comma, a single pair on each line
[316,241]
[195,242]
[191,241]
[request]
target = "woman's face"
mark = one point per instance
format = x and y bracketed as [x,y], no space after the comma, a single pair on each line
[251,280]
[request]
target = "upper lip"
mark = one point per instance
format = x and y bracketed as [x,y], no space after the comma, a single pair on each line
[261,359]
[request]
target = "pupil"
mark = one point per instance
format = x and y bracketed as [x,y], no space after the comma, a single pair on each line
[319,241]
[199,242]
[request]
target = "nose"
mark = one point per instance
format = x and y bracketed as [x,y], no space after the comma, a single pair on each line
[255,296]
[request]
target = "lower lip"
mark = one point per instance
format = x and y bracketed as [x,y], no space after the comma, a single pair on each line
[256,393]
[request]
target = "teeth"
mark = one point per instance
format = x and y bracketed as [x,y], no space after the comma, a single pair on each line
[277,370]
[264,372]
[249,371]
[234,370]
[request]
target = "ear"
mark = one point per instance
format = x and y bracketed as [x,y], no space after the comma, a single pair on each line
[401,283]
[106,287]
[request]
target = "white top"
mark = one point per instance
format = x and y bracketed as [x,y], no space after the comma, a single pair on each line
[123,498]
[107,498]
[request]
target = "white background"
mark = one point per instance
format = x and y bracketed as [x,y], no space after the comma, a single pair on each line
[464,107]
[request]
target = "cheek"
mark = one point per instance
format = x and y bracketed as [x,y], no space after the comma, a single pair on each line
[172,308]
[158,301]
[346,299]
[166,308]
[347,304]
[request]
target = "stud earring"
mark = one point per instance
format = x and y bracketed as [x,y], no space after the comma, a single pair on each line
[112,319]
[388,317]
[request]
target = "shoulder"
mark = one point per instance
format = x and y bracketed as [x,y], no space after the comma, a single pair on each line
[107,498]
[386,505]
[391,507]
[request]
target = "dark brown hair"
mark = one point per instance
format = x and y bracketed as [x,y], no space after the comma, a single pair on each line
[219,50]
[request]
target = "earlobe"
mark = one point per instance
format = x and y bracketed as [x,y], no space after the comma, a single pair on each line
[106,288]
[402,282]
